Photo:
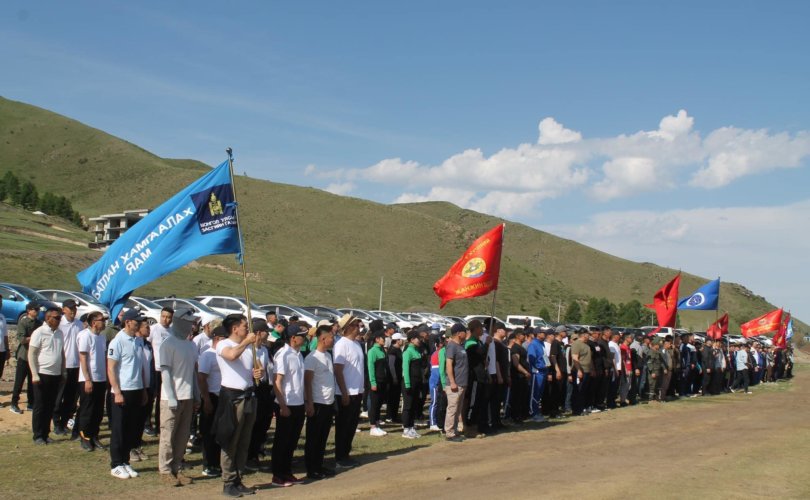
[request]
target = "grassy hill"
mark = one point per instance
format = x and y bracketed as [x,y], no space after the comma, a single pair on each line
[304,245]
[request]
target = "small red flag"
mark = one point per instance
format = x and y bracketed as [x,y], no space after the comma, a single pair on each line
[665,302]
[780,339]
[476,273]
[764,324]
[718,328]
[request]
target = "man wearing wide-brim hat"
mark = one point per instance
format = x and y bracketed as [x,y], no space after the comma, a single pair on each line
[350,379]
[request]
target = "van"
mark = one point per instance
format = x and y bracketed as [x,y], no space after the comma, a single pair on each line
[520,319]
[662,331]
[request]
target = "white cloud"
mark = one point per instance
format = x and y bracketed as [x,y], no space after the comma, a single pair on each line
[514,180]
[341,188]
[757,246]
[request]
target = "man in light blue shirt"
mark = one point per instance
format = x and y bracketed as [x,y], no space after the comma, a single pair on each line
[741,363]
[125,371]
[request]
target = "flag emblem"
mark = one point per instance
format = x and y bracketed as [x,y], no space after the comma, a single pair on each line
[696,300]
[215,208]
[474,268]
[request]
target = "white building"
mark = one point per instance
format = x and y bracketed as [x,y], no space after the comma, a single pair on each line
[110,227]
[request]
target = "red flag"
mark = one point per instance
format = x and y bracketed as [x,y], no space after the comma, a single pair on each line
[780,339]
[763,324]
[476,272]
[665,302]
[718,328]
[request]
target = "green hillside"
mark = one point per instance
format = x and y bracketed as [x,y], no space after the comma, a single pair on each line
[304,246]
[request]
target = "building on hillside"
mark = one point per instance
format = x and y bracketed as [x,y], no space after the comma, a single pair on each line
[110,227]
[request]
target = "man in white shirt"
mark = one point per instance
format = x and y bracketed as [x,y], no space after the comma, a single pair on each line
[616,365]
[289,388]
[70,326]
[350,379]
[237,402]
[319,401]
[157,334]
[92,380]
[209,380]
[46,357]
[179,397]
[203,339]
[4,350]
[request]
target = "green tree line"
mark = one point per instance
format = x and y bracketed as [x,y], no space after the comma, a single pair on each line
[24,194]
[600,311]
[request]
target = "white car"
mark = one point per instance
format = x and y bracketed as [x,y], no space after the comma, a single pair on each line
[415,318]
[485,320]
[85,303]
[366,316]
[231,305]
[147,308]
[286,312]
[392,317]
[437,318]
[196,306]
[519,319]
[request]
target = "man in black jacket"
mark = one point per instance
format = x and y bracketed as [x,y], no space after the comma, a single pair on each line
[479,379]
[394,357]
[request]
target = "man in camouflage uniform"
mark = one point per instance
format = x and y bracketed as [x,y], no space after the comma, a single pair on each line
[655,369]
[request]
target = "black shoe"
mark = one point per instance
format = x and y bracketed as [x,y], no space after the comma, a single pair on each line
[74,436]
[252,464]
[87,445]
[150,432]
[327,472]
[29,407]
[241,488]
[59,430]
[231,491]
[15,409]
[347,463]
[98,444]
[40,442]
[316,476]
[48,440]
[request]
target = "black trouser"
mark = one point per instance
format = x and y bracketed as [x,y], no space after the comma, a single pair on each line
[613,388]
[410,405]
[21,374]
[582,393]
[377,398]
[519,399]
[495,402]
[210,448]
[157,379]
[392,402]
[66,399]
[479,405]
[147,413]
[91,410]
[318,427]
[264,414]
[285,440]
[45,392]
[126,424]
[707,380]
[741,379]
[3,356]
[420,402]
[346,425]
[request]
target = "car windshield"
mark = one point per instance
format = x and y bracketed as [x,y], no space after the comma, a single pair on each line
[29,293]
[89,298]
[202,307]
[386,316]
[147,303]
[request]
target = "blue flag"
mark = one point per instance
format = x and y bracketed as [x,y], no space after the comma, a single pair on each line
[789,334]
[198,221]
[704,299]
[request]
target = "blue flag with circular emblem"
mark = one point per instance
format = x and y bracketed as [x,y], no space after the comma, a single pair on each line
[705,298]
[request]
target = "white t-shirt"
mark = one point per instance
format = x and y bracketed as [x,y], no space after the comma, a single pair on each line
[323,377]
[290,364]
[180,356]
[202,342]
[208,365]
[157,334]
[3,333]
[349,353]
[492,362]
[546,351]
[70,332]
[263,356]
[236,374]
[617,355]
[48,344]
[96,348]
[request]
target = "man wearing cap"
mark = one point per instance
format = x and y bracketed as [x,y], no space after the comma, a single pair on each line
[655,369]
[581,360]
[478,393]
[350,378]
[157,334]
[204,339]
[265,395]
[179,397]
[319,399]
[394,358]
[456,371]
[707,362]
[537,361]
[70,326]
[25,328]
[501,381]
[92,380]
[559,370]
[46,358]
[519,375]
[378,377]
[289,388]
[390,329]
[127,381]
[209,380]
[411,384]
[436,382]
[236,412]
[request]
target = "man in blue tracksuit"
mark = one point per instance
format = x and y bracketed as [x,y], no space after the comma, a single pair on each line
[538,363]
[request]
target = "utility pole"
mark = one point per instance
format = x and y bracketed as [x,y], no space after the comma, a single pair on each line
[559,310]
[382,278]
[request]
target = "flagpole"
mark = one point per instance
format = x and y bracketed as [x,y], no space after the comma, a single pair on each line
[242,259]
[491,329]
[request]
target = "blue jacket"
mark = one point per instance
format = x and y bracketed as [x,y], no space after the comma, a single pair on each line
[535,353]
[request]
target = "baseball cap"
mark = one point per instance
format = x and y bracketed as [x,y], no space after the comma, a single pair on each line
[435,326]
[560,329]
[397,336]
[206,318]
[391,326]
[457,328]
[133,314]
[69,303]
[297,331]
[325,322]
[260,325]
[182,321]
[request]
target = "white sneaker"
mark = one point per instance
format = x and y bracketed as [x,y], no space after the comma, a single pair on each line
[363,414]
[120,472]
[130,470]
[377,432]
[596,410]
[408,434]
[414,434]
[435,428]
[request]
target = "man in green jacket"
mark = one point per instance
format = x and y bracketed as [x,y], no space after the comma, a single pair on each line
[25,328]
[411,384]
[377,365]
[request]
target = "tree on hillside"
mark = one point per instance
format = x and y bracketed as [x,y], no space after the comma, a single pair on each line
[47,203]
[631,314]
[600,312]
[544,313]
[29,198]
[12,187]
[573,313]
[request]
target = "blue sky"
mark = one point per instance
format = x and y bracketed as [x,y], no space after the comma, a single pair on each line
[675,133]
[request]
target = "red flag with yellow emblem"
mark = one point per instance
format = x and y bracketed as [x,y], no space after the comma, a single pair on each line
[718,328]
[476,273]
[665,302]
[764,324]
[780,339]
